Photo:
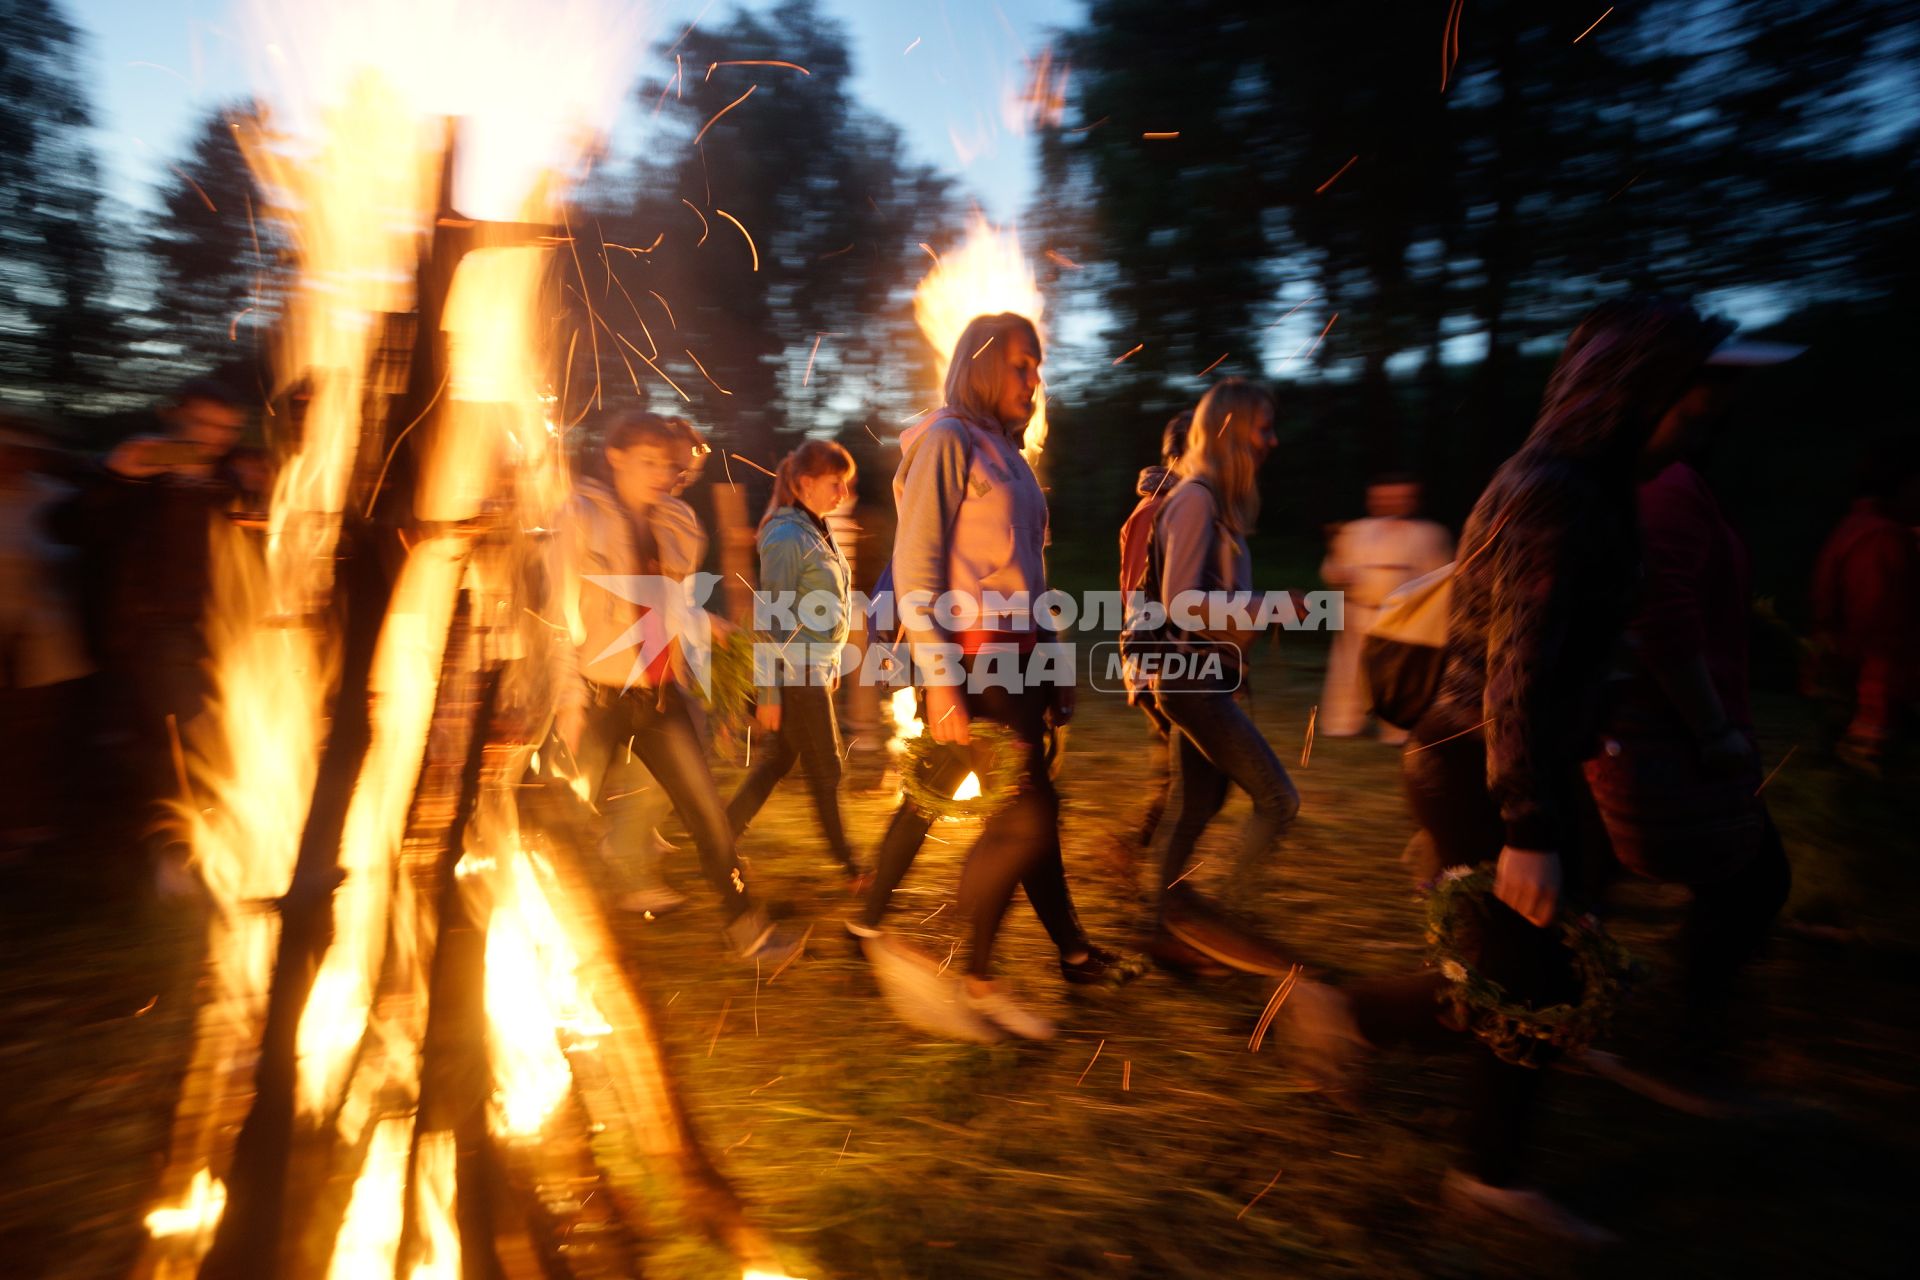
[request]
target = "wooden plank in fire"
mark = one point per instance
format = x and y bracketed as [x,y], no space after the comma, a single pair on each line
[626,1087]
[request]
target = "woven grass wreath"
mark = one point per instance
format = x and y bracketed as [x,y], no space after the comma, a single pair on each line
[1005,755]
[1518,1032]
[729,693]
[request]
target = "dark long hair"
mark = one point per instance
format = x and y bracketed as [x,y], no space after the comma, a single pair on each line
[1623,367]
[630,429]
[813,458]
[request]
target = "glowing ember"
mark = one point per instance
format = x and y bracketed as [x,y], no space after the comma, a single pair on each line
[987,274]
[969,788]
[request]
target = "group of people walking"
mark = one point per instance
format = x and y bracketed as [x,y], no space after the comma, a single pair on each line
[1591,713]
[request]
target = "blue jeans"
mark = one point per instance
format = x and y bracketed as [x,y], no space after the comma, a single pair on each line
[665,742]
[1214,743]
[622,789]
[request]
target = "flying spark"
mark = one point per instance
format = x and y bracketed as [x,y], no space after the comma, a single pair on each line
[1090,1061]
[751,247]
[1336,177]
[757,62]
[703,373]
[705,229]
[1316,342]
[808,378]
[1596,22]
[1450,43]
[1256,1199]
[722,111]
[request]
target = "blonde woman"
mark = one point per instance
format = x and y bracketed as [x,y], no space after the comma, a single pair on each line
[1199,555]
[973,521]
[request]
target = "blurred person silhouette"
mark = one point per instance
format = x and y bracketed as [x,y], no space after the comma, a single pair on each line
[43,658]
[624,547]
[1677,780]
[1493,769]
[1866,606]
[145,523]
[1198,551]
[802,567]
[1367,559]
[859,699]
[1155,485]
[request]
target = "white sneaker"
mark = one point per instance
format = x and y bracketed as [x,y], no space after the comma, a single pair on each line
[996,1006]
[654,899]
[1526,1206]
[923,994]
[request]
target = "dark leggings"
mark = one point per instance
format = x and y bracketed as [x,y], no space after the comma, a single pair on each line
[1727,925]
[808,734]
[1446,788]
[666,741]
[1020,845]
[1215,745]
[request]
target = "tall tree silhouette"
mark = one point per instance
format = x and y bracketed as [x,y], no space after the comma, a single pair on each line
[1692,145]
[57,333]
[217,257]
[774,241]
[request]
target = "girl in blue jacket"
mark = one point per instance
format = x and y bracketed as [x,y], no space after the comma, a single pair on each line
[805,587]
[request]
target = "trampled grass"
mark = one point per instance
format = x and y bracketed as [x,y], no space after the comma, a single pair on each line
[1146,1140]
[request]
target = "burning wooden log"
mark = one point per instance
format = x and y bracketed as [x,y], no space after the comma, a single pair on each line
[415,915]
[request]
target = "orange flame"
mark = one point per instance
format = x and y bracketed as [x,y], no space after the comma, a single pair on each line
[987,274]
[904,710]
[196,1215]
[537,1005]
[348,160]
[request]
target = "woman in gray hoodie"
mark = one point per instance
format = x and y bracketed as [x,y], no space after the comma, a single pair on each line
[972,534]
[806,588]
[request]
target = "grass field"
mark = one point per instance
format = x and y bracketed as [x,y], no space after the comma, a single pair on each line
[1146,1140]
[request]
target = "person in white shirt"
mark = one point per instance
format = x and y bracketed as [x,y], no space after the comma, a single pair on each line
[1367,560]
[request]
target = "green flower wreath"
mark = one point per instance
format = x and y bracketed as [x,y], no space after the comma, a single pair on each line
[1515,1031]
[729,693]
[998,781]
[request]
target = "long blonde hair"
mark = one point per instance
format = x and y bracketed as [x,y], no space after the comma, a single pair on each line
[1221,448]
[813,458]
[980,362]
